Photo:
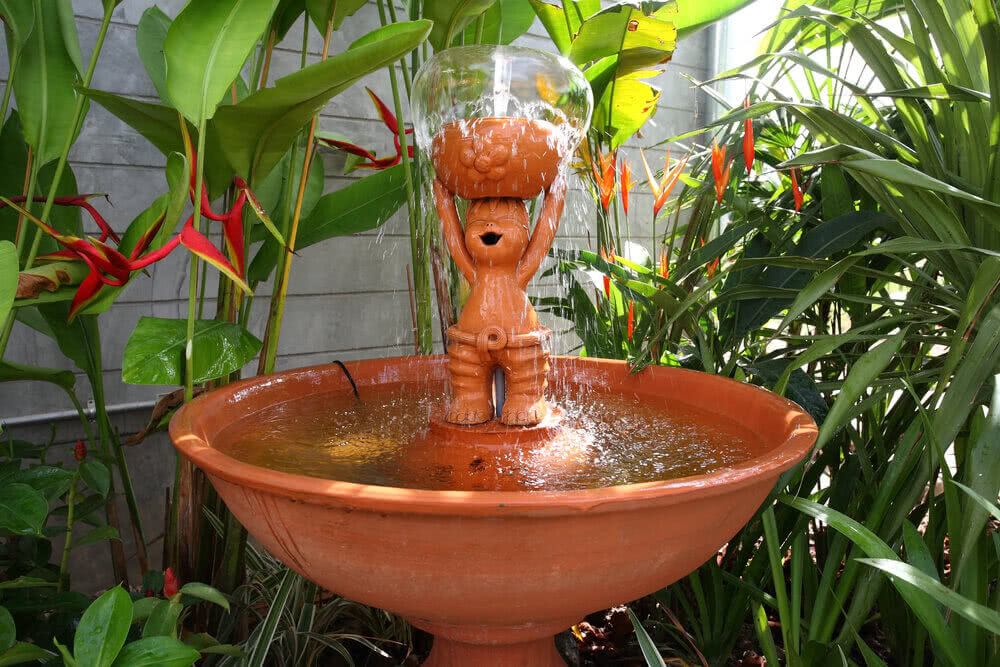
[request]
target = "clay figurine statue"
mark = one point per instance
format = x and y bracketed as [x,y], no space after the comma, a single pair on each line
[498,327]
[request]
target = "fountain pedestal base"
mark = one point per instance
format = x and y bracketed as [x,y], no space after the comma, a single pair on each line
[456,646]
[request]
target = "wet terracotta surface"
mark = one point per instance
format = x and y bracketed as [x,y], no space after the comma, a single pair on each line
[495,574]
[497,157]
[497,162]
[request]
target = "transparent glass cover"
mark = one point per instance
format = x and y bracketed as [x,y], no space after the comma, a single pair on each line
[486,81]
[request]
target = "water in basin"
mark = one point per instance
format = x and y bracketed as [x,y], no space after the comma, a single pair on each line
[608,439]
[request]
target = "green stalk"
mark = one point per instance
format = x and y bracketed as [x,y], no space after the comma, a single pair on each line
[193,280]
[402,61]
[8,88]
[70,501]
[480,26]
[417,254]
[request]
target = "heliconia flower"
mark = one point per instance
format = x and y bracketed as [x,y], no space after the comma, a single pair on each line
[604,176]
[661,191]
[626,183]
[390,121]
[720,169]
[81,202]
[170,584]
[748,148]
[631,319]
[712,266]
[796,191]
[80,451]
[607,280]
[664,268]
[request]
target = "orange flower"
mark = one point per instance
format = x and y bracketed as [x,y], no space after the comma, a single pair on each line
[721,172]
[607,280]
[711,267]
[664,265]
[631,319]
[748,149]
[604,176]
[626,183]
[796,191]
[661,190]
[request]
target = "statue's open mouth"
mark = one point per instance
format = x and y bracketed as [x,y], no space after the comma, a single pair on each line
[490,238]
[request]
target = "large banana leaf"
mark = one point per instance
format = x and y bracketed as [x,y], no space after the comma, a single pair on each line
[256,132]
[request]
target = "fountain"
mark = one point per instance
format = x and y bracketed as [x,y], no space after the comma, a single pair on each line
[496,496]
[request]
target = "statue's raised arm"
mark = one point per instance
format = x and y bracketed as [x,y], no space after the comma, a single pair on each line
[545,231]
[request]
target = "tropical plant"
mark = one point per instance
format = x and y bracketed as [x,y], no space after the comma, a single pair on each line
[880,549]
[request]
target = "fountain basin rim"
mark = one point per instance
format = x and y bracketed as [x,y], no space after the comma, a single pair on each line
[189,437]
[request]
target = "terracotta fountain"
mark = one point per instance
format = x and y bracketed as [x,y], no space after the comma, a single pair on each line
[456,539]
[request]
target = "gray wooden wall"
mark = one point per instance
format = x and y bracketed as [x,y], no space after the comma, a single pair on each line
[348,297]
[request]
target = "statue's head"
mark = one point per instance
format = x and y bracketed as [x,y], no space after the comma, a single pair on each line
[497,230]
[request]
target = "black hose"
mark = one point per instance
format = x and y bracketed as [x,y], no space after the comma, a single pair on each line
[349,378]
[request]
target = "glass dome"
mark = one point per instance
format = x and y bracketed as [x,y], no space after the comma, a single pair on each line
[481,110]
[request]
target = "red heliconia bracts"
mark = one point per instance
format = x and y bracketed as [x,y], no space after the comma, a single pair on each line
[720,169]
[170,584]
[796,191]
[390,121]
[631,319]
[607,280]
[661,191]
[604,176]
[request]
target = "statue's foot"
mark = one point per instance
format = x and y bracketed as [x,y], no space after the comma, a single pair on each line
[523,410]
[470,410]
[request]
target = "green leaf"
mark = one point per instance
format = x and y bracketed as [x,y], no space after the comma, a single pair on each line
[150,35]
[18,20]
[919,601]
[260,640]
[154,353]
[504,21]
[205,592]
[160,125]
[646,645]
[691,17]
[320,11]
[640,39]
[8,278]
[23,652]
[162,621]
[103,628]
[859,379]
[143,608]
[27,582]
[450,18]
[67,657]
[361,206]
[12,372]
[8,633]
[982,616]
[45,82]
[206,643]
[99,534]
[205,49]
[96,475]
[22,509]
[555,19]
[157,652]
[50,481]
[624,108]
[257,132]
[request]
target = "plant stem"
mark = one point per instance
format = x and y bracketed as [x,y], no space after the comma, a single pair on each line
[7,89]
[193,280]
[418,255]
[278,307]
[70,502]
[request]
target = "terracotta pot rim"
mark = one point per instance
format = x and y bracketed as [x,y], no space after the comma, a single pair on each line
[189,437]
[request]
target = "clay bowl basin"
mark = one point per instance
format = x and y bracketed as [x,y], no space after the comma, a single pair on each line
[495,574]
[497,157]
